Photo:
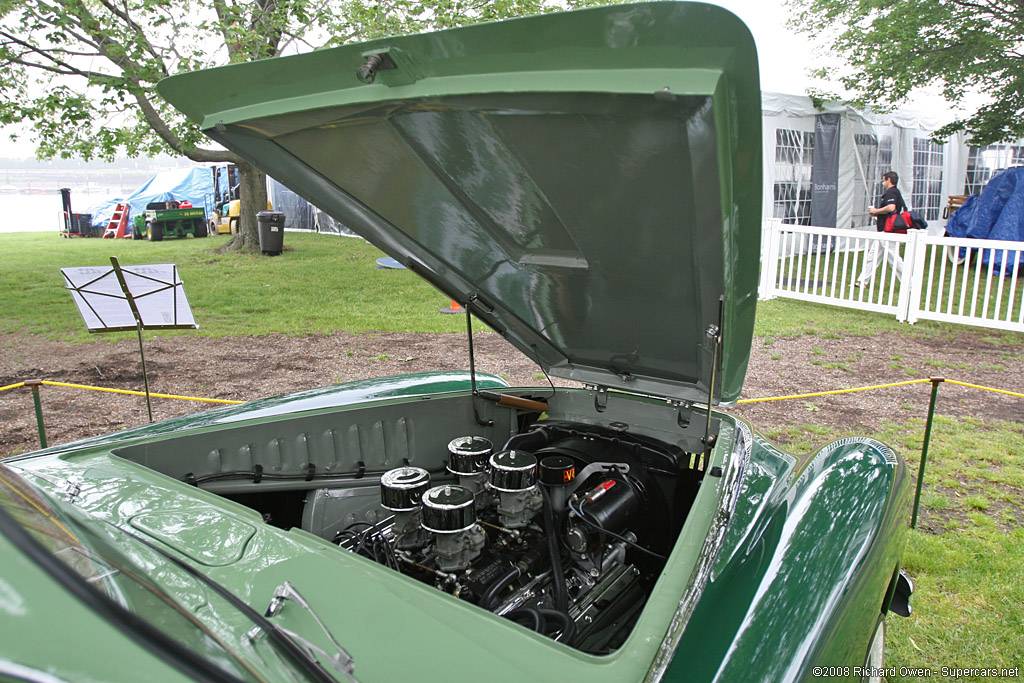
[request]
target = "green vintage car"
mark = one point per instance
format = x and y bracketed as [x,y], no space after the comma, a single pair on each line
[588,185]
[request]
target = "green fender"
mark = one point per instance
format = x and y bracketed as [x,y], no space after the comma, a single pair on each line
[787,594]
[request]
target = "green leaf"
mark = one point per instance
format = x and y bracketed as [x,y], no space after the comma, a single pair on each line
[892,49]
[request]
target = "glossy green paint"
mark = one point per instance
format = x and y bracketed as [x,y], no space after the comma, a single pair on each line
[588,182]
[366,606]
[805,567]
[205,536]
[750,591]
[46,631]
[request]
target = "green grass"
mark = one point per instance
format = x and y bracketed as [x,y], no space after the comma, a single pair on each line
[319,284]
[969,283]
[946,364]
[781,317]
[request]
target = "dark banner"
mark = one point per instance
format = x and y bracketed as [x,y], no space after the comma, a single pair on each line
[825,171]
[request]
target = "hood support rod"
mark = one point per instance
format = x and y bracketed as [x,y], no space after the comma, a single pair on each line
[472,365]
[469,338]
[714,333]
[501,400]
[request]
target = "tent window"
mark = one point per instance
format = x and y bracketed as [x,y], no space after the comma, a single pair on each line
[927,192]
[875,159]
[794,152]
[983,162]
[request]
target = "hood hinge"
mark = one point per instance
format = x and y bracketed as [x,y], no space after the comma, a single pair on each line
[685,409]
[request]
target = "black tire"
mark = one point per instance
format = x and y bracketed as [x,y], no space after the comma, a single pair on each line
[199,228]
[155,232]
[137,233]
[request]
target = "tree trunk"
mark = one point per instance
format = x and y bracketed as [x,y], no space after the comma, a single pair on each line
[253,194]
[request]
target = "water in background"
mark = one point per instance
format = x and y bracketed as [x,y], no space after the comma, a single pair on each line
[30,190]
[43,212]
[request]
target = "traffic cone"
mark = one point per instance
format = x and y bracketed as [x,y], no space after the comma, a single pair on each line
[455,308]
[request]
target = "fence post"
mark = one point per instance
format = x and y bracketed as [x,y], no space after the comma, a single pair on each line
[775,238]
[936,381]
[34,384]
[767,237]
[913,278]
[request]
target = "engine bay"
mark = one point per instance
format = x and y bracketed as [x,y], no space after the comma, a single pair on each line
[560,529]
[561,522]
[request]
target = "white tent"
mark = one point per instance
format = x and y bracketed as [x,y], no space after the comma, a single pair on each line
[824,166]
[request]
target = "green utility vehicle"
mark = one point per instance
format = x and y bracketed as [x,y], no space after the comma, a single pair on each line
[169,219]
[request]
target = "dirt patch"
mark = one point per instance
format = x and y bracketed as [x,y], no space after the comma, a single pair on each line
[246,368]
[811,363]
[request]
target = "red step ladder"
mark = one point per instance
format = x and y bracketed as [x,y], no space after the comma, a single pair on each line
[117,227]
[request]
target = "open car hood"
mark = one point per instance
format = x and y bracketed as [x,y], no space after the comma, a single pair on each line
[589,182]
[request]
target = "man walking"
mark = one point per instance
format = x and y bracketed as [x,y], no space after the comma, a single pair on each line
[891,201]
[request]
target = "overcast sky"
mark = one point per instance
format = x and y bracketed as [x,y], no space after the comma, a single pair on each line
[784,57]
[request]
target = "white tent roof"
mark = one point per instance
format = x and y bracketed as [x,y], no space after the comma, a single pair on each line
[782,104]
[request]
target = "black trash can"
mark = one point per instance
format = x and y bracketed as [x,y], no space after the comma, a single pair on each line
[271,228]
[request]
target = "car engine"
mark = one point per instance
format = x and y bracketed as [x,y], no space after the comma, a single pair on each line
[560,530]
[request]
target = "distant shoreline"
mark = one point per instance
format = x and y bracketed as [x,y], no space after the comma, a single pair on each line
[119,178]
[44,212]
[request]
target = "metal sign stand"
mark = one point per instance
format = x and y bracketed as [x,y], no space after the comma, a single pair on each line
[120,299]
[138,327]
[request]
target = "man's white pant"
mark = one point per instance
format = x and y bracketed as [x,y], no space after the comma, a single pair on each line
[871,260]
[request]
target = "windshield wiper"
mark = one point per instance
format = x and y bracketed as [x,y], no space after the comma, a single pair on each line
[292,645]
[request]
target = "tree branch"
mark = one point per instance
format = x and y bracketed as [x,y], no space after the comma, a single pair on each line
[140,35]
[35,65]
[223,21]
[989,7]
[67,68]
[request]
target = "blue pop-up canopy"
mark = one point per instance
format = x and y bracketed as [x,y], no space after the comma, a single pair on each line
[996,214]
[187,184]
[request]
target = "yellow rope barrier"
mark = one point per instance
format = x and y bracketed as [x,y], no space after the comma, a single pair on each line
[139,393]
[976,386]
[835,391]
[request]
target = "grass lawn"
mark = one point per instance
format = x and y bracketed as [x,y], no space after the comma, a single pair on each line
[966,561]
[319,284]
[967,566]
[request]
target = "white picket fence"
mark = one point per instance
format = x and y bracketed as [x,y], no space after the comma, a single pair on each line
[918,276]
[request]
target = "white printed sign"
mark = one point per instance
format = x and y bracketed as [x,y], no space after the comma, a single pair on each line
[157,291]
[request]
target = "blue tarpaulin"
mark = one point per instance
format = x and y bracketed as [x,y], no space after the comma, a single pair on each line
[186,184]
[995,214]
